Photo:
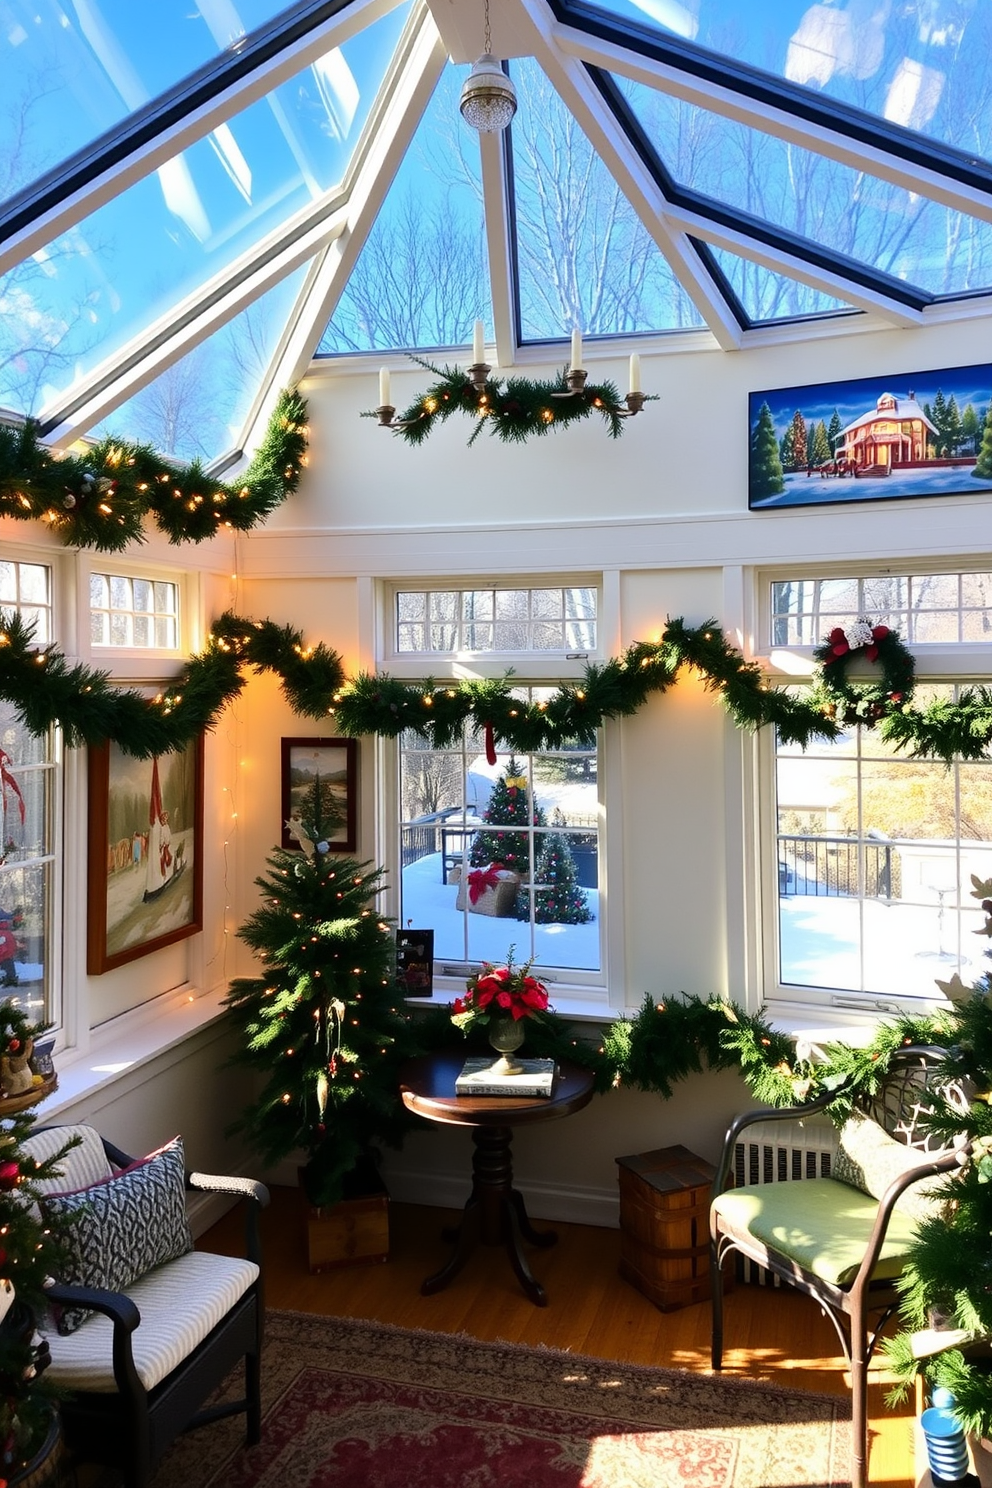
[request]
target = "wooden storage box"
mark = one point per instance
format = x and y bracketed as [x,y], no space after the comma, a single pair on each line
[353,1232]
[664,1225]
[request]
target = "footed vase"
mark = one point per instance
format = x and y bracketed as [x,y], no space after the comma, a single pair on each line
[506,1035]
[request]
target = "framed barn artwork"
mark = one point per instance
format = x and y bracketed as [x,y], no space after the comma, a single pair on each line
[891,437]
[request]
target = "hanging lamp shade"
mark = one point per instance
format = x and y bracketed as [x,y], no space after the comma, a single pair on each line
[489,99]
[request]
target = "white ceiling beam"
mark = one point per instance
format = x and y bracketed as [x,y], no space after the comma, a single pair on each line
[147,157]
[583,99]
[792,266]
[146,357]
[388,135]
[304,236]
[498,229]
[860,155]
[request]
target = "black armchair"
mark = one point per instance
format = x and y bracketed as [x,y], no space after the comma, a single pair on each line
[138,1370]
[835,1242]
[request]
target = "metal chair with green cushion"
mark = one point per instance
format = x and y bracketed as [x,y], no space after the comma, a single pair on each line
[834,1241]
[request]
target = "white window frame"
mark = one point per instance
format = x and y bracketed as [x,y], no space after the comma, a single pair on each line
[133,663]
[599,994]
[58,931]
[537,666]
[961,663]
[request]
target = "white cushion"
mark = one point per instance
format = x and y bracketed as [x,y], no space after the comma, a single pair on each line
[179,1304]
[81,1168]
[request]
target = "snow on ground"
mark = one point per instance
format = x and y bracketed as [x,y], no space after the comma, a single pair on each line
[905,946]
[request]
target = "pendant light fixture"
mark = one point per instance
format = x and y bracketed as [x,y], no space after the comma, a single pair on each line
[489,99]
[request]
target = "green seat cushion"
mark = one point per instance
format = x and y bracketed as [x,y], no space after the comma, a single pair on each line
[822,1225]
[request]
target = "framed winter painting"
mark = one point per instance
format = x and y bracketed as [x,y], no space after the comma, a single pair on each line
[872,439]
[330,766]
[145,853]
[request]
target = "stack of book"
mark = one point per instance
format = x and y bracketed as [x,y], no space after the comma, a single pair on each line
[536,1077]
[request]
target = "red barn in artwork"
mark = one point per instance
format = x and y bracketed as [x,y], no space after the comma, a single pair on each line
[896,432]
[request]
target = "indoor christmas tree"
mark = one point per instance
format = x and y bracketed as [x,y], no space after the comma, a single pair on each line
[508,807]
[558,898]
[30,1254]
[323,1025]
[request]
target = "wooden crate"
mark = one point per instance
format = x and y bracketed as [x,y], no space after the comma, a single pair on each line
[353,1232]
[664,1225]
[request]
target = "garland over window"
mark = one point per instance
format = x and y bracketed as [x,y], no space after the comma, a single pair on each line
[47,690]
[100,499]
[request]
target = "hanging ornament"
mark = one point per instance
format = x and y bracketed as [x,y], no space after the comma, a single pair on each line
[490,744]
[322,1088]
[323,848]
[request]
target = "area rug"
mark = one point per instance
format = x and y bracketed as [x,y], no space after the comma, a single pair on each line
[352,1404]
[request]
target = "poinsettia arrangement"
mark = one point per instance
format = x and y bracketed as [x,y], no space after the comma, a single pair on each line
[506,991]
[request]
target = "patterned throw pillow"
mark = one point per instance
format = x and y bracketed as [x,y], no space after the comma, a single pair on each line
[122,1227]
[869,1159]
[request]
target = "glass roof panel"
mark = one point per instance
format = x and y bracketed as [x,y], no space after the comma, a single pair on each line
[422,278]
[583,257]
[924,64]
[830,204]
[132,261]
[73,68]
[765,295]
[197,408]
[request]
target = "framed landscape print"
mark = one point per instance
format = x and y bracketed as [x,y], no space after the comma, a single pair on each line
[145,853]
[874,438]
[334,762]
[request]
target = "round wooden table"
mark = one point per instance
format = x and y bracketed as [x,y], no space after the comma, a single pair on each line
[495,1212]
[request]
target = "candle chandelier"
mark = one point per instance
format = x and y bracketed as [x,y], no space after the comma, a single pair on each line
[515,410]
[489,99]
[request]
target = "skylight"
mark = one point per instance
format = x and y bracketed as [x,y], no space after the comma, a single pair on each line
[675,165]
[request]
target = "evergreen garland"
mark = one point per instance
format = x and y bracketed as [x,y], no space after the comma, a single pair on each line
[100,499]
[47,690]
[514,411]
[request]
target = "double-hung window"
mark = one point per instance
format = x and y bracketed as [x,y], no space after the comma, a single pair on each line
[868,853]
[509,852]
[30,819]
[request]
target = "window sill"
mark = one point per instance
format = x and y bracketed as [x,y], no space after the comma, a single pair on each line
[120,1049]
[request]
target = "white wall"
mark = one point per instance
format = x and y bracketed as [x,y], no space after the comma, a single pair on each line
[665,510]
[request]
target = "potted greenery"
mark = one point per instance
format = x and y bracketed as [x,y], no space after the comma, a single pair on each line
[323,1024]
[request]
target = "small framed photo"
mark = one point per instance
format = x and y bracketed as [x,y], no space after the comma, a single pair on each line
[415,962]
[334,763]
[145,853]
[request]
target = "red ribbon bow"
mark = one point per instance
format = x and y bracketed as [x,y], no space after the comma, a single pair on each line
[481,879]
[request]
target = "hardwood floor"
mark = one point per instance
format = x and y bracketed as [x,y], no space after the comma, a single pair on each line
[771,1334]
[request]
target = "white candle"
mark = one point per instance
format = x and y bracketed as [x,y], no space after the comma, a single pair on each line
[383,387]
[576,349]
[478,349]
[635,372]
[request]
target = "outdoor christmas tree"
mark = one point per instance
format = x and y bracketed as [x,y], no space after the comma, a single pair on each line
[323,1025]
[508,807]
[558,899]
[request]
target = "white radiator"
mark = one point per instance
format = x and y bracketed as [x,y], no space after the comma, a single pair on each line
[781,1152]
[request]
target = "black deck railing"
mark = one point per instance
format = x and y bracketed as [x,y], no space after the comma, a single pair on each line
[834,866]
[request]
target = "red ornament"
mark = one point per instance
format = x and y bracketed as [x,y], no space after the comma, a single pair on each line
[14,1045]
[9,1174]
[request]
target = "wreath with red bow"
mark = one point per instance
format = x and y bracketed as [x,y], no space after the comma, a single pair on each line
[866,702]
